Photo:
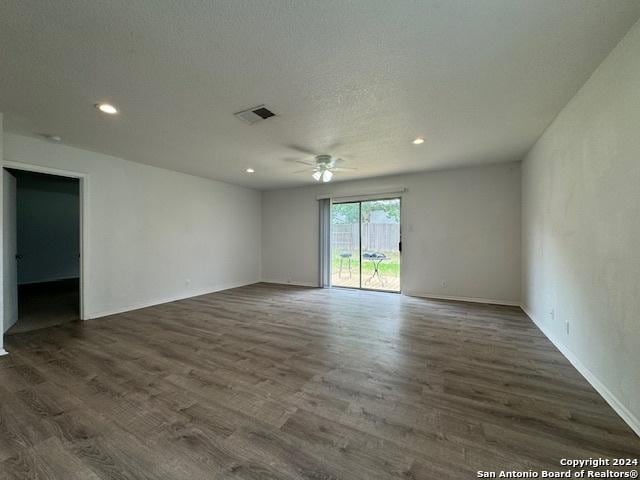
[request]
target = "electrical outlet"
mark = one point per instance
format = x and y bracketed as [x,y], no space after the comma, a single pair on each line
[443,284]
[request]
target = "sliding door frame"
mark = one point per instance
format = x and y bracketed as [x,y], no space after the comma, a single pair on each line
[360,243]
[359,202]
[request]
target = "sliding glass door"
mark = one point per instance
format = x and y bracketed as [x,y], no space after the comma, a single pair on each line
[365,244]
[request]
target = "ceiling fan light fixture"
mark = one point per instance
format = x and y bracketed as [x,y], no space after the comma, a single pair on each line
[316,176]
[327,175]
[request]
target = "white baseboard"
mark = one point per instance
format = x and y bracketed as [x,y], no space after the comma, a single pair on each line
[3,352]
[595,382]
[160,301]
[293,283]
[490,301]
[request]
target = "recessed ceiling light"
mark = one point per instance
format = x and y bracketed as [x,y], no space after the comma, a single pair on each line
[107,108]
[418,141]
[250,170]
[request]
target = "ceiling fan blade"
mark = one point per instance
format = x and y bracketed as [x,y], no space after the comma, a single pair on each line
[302,149]
[311,164]
[304,170]
[343,169]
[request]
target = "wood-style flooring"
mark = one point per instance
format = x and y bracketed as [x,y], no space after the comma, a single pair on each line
[275,382]
[42,305]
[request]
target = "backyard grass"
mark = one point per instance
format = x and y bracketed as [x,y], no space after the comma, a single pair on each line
[390,267]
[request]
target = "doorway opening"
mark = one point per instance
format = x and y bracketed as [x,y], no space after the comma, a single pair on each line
[42,244]
[366,244]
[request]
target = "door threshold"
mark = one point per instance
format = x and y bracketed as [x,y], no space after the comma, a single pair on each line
[367,289]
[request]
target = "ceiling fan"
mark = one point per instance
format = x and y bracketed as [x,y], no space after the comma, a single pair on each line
[323,167]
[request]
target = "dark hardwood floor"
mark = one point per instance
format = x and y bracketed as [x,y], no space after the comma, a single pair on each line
[266,382]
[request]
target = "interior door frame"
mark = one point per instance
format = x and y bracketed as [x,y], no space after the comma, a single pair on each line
[359,201]
[83,185]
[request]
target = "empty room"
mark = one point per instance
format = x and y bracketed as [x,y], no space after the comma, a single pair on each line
[275,239]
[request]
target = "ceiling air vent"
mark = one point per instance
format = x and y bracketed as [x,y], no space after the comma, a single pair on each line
[255,114]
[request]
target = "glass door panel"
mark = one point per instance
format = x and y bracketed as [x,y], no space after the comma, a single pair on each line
[380,244]
[345,244]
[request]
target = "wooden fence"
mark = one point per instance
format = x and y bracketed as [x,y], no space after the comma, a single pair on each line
[382,237]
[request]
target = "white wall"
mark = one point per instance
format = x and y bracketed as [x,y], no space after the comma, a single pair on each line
[48,227]
[153,235]
[581,229]
[461,227]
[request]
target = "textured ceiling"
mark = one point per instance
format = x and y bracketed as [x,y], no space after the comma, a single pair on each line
[479,79]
